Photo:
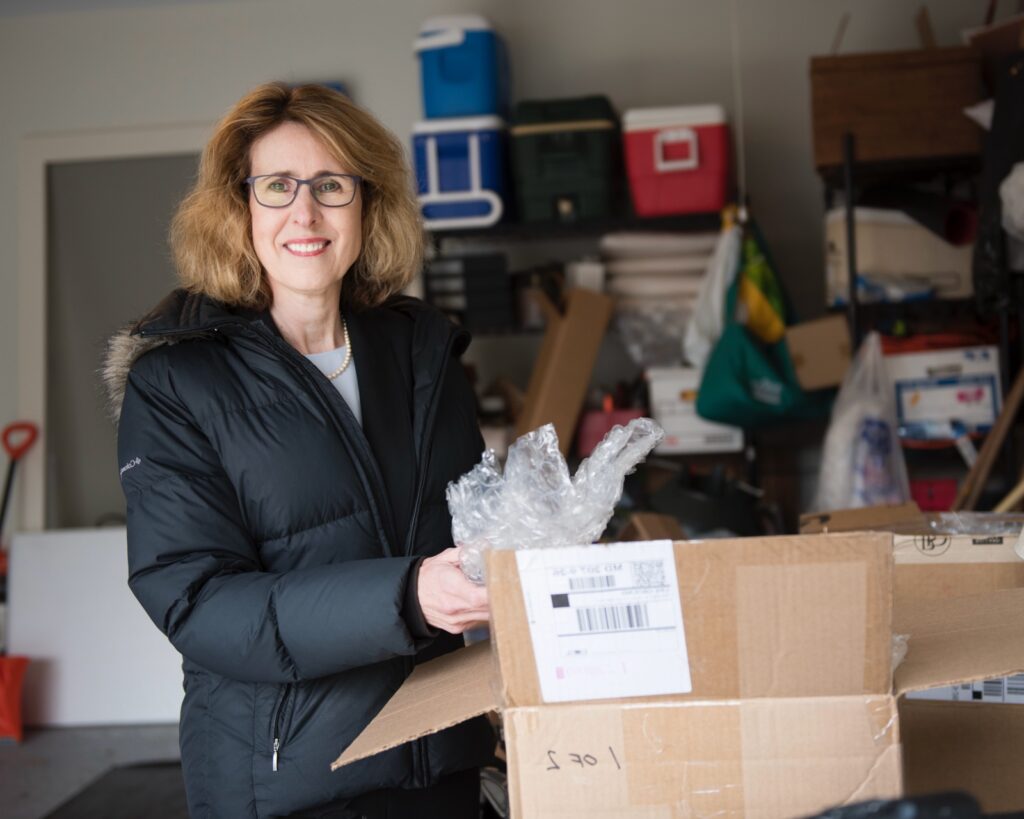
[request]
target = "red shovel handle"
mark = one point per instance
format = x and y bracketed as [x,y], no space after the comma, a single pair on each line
[19,437]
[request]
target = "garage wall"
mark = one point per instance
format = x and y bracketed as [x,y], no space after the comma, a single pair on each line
[123,68]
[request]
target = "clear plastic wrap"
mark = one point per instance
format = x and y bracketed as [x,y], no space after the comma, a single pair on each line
[900,644]
[535,502]
[975,523]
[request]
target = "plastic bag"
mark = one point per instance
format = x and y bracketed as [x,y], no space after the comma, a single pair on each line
[653,336]
[534,502]
[749,379]
[703,332]
[862,461]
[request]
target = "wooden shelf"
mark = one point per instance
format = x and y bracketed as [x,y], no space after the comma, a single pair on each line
[694,223]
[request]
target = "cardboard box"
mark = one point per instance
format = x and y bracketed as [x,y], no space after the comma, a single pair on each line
[673,398]
[652,526]
[894,254]
[561,374]
[971,744]
[966,736]
[932,566]
[964,746]
[820,351]
[878,518]
[938,387]
[790,706]
[900,105]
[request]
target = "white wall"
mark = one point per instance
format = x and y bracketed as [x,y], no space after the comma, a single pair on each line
[95,657]
[152,66]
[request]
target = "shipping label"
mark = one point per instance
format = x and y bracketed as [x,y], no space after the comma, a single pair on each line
[605,620]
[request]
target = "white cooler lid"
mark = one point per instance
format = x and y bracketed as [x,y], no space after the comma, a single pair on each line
[448,30]
[643,119]
[466,22]
[452,125]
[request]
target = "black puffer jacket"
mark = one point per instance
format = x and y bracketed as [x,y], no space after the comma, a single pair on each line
[271,539]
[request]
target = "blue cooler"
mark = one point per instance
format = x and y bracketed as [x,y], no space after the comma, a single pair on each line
[460,171]
[463,67]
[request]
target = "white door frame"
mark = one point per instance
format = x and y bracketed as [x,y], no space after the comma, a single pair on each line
[36,153]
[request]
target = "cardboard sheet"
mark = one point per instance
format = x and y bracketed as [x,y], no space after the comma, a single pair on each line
[960,639]
[561,373]
[438,694]
[820,350]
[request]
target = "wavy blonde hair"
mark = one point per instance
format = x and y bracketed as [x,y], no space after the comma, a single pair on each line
[211,236]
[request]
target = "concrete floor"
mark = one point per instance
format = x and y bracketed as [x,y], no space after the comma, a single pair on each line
[53,764]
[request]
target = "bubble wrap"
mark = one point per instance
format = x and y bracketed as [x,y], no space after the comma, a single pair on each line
[535,502]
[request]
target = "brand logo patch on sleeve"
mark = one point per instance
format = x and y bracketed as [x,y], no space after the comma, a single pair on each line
[134,462]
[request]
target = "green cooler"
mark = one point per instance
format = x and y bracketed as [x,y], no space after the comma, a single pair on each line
[565,159]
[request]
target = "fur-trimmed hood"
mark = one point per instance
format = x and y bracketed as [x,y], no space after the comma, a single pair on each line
[178,316]
[123,349]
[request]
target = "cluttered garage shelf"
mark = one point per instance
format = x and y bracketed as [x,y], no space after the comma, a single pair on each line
[880,406]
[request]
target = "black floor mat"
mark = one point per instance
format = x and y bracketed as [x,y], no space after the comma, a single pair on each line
[154,791]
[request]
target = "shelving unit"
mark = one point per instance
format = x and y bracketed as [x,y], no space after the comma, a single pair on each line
[518,231]
[851,177]
[778,473]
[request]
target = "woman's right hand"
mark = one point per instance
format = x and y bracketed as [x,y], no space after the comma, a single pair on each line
[449,600]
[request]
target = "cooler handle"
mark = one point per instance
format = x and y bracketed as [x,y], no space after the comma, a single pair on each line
[677,135]
[443,38]
[475,193]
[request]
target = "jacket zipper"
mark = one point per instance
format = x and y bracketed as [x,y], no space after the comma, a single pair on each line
[419,745]
[423,456]
[375,491]
[278,714]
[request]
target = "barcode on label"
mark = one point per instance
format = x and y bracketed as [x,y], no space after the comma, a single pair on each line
[602,581]
[1015,685]
[649,573]
[992,689]
[613,618]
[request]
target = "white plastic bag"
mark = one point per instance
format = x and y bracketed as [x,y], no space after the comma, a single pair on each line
[708,322]
[862,461]
[534,502]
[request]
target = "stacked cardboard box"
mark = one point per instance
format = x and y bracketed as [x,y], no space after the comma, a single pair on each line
[784,703]
[969,736]
[957,737]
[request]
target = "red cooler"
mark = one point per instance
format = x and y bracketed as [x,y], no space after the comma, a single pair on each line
[677,159]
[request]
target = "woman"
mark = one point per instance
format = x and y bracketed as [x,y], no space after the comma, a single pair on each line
[288,426]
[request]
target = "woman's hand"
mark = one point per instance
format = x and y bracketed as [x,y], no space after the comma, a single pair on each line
[450,601]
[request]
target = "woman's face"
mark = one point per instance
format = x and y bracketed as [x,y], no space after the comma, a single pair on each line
[306,248]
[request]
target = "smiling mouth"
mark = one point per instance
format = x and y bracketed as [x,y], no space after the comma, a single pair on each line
[306,248]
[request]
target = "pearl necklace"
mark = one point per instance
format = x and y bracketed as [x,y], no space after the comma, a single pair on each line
[348,354]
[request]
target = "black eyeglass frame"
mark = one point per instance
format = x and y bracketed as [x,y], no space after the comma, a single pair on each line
[251,180]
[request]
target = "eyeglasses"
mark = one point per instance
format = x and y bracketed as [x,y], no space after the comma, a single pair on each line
[333,190]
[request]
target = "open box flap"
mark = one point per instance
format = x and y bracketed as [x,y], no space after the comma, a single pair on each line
[960,639]
[438,694]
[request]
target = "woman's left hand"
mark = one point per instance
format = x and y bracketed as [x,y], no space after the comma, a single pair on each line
[450,601]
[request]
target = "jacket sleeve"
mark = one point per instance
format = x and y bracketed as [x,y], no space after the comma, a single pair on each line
[196,570]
